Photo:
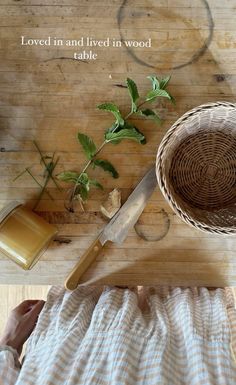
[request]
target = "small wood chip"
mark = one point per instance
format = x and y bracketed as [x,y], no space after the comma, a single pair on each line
[110,207]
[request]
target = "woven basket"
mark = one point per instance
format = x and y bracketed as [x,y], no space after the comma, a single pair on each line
[196,167]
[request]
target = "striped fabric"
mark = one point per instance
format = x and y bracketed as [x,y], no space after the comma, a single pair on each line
[135,336]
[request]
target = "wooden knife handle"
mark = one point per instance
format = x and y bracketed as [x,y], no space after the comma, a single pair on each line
[85,261]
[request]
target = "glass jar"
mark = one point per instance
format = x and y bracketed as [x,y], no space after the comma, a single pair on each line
[24,235]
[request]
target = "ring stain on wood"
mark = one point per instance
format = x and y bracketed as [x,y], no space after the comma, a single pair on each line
[155,231]
[196,55]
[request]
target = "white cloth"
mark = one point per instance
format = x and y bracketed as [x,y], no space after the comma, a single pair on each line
[138,336]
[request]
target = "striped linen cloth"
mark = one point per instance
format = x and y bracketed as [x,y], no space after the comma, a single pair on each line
[132,336]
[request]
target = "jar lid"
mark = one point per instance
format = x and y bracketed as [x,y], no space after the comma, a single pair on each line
[8,209]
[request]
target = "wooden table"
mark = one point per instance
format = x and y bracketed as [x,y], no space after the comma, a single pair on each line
[48,97]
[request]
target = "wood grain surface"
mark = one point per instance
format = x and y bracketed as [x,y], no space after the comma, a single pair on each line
[48,97]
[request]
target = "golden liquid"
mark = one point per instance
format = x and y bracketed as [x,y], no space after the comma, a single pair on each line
[24,236]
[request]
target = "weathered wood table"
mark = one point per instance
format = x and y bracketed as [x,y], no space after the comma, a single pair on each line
[48,96]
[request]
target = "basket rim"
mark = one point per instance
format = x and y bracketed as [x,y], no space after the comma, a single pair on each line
[162,180]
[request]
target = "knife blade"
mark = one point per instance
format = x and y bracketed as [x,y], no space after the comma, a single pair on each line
[118,227]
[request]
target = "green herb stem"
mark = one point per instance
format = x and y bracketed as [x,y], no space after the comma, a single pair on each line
[54,180]
[47,192]
[46,165]
[41,192]
[18,176]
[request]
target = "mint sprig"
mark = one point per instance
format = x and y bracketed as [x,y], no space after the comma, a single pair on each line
[121,129]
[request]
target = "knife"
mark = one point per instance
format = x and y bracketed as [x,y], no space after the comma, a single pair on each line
[117,229]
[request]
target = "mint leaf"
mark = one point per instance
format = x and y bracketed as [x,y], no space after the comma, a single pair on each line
[131,126]
[126,125]
[111,107]
[158,86]
[126,133]
[106,166]
[155,82]
[133,91]
[152,95]
[75,177]
[150,114]
[143,141]
[159,83]
[84,179]
[68,176]
[164,82]
[95,183]
[87,144]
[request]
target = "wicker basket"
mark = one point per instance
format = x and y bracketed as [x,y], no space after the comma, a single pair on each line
[196,167]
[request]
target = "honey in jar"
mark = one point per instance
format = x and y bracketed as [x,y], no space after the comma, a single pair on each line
[24,235]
